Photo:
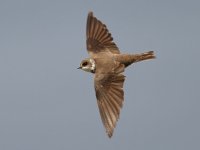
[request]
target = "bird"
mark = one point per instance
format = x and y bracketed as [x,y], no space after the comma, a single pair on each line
[107,64]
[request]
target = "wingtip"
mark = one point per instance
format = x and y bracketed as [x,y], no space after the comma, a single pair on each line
[109,135]
[90,13]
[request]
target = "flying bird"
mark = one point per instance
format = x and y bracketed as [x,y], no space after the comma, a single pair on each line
[107,64]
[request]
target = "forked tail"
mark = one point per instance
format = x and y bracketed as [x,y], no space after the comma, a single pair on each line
[143,56]
[128,59]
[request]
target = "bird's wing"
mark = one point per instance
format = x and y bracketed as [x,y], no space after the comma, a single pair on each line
[110,97]
[98,37]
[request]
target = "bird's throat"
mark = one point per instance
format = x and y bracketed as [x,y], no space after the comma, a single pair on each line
[93,67]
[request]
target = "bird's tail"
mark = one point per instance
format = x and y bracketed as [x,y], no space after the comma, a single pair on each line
[128,59]
[143,56]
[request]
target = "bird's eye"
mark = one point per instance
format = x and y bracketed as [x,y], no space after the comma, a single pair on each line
[85,63]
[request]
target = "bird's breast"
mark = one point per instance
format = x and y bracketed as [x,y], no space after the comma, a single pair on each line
[104,64]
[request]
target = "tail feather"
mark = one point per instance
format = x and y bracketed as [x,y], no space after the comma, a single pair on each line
[144,56]
[127,59]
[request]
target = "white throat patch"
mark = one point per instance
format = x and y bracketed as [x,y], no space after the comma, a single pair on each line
[93,64]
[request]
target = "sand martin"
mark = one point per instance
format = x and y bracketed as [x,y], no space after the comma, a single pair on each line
[107,64]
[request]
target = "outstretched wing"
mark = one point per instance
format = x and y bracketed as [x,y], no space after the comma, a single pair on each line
[98,37]
[110,97]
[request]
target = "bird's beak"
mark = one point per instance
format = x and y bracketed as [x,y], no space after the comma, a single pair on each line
[79,68]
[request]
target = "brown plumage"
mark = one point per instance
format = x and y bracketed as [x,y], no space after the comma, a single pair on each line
[108,66]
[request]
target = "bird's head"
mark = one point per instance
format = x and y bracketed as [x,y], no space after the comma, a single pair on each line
[88,65]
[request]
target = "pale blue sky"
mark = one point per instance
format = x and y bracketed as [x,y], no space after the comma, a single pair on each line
[47,104]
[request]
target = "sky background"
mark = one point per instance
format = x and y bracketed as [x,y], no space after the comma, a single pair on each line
[47,104]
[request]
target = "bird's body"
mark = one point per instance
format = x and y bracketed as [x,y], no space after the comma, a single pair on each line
[107,64]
